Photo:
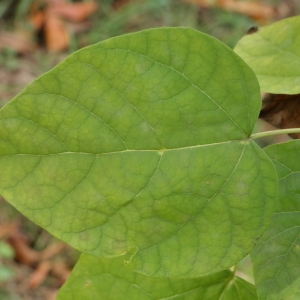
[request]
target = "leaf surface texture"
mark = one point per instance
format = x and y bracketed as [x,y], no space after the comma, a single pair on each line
[142,142]
[99,278]
[273,52]
[276,257]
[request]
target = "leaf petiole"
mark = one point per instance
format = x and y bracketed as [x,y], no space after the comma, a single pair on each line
[274,132]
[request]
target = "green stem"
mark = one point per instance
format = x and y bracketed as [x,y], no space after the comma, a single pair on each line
[274,132]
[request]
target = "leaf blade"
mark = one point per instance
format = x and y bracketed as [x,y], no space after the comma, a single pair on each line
[110,279]
[276,256]
[95,150]
[273,54]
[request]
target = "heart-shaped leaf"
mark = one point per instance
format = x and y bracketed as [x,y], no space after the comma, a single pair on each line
[142,142]
[276,258]
[273,52]
[100,278]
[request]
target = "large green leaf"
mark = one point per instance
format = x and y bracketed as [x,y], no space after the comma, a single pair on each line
[142,142]
[276,258]
[100,278]
[273,52]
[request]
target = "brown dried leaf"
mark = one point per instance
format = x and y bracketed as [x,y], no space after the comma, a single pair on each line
[39,274]
[37,20]
[75,12]
[282,111]
[254,10]
[56,35]
[23,253]
[7,229]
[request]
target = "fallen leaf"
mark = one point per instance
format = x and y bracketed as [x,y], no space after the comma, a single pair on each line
[254,10]
[23,253]
[75,12]
[39,274]
[56,34]
[282,111]
[7,229]
[37,20]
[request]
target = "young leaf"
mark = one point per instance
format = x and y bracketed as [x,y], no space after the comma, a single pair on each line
[273,52]
[142,142]
[100,278]
[276,257]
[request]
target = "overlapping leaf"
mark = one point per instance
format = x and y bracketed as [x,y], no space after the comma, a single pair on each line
[142,142]
[276,258]
[95,278]
[273,52]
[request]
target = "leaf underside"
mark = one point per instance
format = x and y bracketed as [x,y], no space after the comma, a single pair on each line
[276,258]
[96,278]
[273,52]
[141,142]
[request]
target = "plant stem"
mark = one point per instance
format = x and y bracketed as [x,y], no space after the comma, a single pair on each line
[274,132]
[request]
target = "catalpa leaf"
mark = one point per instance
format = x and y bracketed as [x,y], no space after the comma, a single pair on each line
[102,278]
[142,142]
[273,52]
[276,258]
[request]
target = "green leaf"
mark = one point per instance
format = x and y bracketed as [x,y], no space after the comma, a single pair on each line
[6,250]
[142,142]
[96,278]
[238,289]
[273,52]
[276,257]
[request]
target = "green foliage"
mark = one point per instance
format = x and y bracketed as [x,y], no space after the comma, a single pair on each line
[276,256]
[273,53]
[141,145]
[110,279]
[129,156]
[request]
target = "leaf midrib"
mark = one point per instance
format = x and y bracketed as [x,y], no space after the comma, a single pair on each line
[158,151]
